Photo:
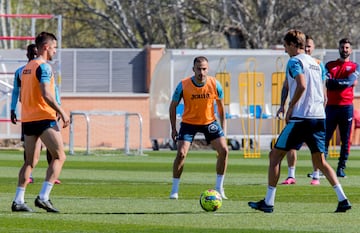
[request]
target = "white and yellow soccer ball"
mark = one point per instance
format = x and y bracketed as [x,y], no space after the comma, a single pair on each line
[210,200]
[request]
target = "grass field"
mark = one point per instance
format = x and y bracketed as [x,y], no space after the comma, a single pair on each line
[110,192]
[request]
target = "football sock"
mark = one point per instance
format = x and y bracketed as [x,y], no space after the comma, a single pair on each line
[270,196]
[291,172]
[219,182]
[339,192]
[45,191]
[20,195]
[316,174]
[175,185]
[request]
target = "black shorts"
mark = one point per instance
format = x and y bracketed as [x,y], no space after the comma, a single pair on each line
[36,128]
[211,131]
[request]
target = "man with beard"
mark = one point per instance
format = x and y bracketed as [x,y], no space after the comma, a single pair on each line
[341,77]
[199,92]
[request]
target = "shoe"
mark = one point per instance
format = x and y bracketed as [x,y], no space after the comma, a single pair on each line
[174,196]
[340,173]
[46,205]
[20,207]
[310,175]
[57,182]
[222,193]
[343,206]
[315,182]
[31,180]
[261,205]
[289,180]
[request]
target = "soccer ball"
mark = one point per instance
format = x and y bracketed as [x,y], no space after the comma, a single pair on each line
[210,200]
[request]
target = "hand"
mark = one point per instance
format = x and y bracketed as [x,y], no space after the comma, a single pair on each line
[280,111]
[65,118]
[13,117]
[174,135]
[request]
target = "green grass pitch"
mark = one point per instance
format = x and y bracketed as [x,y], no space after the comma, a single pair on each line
[110,192]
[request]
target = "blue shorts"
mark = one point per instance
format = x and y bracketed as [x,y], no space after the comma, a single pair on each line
[36,128]
[298,131]
[211,131]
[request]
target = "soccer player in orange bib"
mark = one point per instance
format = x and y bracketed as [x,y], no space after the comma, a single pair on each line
[199,93]
[39,111]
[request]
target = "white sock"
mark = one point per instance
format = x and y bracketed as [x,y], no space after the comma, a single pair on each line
[45,191]
[291,172]
[219,182]
[339,192]
[270,196]
[316,174]
[20,195]
[175,185]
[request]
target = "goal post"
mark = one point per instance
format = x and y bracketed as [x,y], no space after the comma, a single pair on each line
[31,37]
[87,115]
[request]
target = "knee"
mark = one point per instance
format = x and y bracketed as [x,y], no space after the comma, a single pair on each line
[181,156]
[223,152]
[61,157]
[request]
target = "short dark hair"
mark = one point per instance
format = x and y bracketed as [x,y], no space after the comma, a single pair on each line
[308,37]
[200,59]
[31,51]
[345,41]
[43,38]
[297,37]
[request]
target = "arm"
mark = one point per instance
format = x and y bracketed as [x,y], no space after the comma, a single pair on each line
[15,96]
[338,84]
[323,76]
[284,95]
[221,112]
[221,106]
[51,101]
[172,115]
[172,110]
[44,75]
[342,83]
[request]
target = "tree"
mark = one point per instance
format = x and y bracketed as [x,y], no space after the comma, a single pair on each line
[252,24]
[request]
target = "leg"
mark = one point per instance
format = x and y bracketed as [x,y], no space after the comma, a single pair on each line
[54,143]
[319,160]
[291,157]
[178,165]
[267,205]
[48,156]
[222,157]
[345,125]
[331,124]
[183,148]
[52,139]
[275,156]
[32,150]
[49,159]
[222,154]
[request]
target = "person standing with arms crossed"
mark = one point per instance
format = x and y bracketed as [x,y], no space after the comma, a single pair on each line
[38,114]
[291,155]
[31,54]
[199,93]
[342,76]
[305,120]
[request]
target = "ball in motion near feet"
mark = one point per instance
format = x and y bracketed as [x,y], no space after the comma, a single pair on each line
[210,200]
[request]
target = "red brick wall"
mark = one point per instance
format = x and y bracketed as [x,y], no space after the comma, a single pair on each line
[108,131]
